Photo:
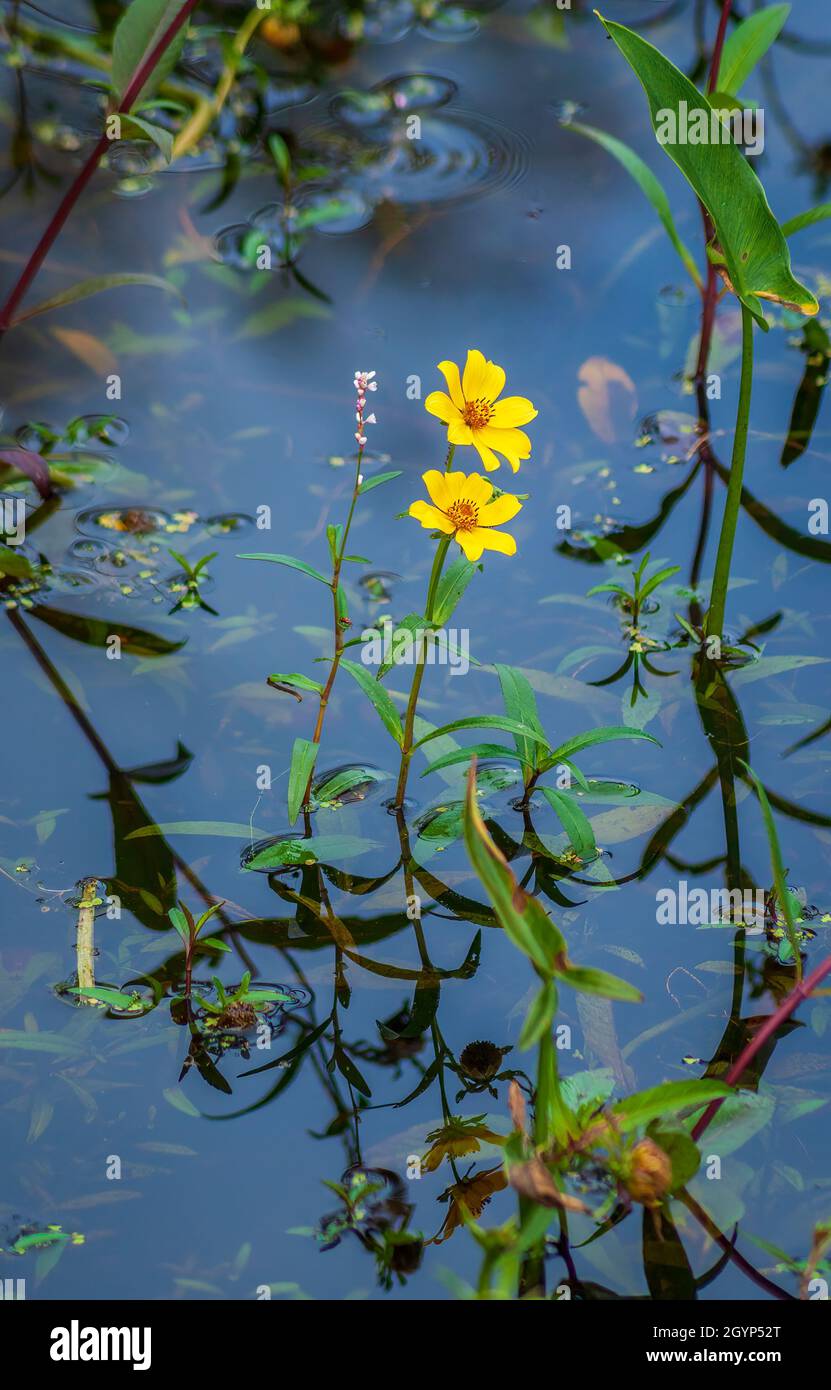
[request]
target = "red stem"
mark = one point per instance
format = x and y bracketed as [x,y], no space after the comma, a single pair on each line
[70,198]
[715,64]
[768,1028]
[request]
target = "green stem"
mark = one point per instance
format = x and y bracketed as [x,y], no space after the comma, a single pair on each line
[337,623]
[721,578]
[415,688]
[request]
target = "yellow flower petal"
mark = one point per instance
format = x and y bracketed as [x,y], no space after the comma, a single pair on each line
[511,411]
[471,543]
[511,443]
[459,433]
[477,489]
[494,540]
[487,455]
[450,372]
[494,381]
[436,484]
[439,403]
[473,381]
[500,510]
[430,517]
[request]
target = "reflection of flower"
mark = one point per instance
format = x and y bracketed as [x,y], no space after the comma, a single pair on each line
[481,1060]
[474,415]
[462,508]
[472,1196]
[457,1138]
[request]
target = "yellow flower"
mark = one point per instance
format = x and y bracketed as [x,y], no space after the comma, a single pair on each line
[474,415]
[472,1195]
[456,1139]
[462,508]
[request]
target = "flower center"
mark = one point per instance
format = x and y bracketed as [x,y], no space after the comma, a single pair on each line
[464,515]
[477,414]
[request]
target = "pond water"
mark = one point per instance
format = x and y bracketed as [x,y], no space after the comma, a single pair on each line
[495,228]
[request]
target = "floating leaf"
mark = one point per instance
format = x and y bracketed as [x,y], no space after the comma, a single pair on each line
[231,829]
[607,398]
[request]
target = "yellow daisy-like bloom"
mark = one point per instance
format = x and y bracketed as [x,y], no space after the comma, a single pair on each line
[456,1139]
[474,414]
[462,508]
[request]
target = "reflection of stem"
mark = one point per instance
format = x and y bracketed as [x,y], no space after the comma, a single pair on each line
[802,991]
[729,1248]
[93,738]
[85,940]
[721,578]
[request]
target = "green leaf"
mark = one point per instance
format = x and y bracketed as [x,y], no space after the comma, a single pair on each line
[369,483]
[644,1106]
[295,678]
[652,584]
[13,563]
[322,849]
[608,734]
[303,756]
[290,561]
[807,219]
[521,706]
[141,26]
[755,252]
[214,943]
[180,922]
[114,997]
[523,918]
[540,1016]
[162,139]
[340,782]
[587,980]
[347,1069]
[452,584]
[747,43]
[478,750]
[783,896]
[484,721]
[97,632]
[648,184]
[232,829]
[378,697]
[574,821]
[96,285]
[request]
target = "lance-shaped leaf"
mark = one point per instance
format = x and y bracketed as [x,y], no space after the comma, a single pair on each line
[649,185]
[749,42]
[751,253]
[303,756]
[378,697]
[139,30]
